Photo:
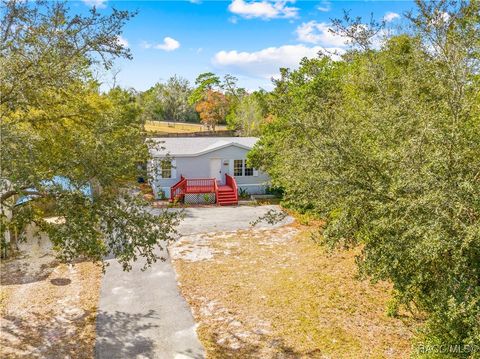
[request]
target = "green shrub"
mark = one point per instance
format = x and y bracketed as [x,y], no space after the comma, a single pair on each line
[384,145]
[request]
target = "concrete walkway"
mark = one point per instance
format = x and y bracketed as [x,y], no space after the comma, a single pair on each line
[142,314]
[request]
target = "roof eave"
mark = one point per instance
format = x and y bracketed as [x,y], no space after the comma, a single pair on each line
[203,152]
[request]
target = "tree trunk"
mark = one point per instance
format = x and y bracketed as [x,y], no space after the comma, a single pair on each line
[13,245]
[96,188]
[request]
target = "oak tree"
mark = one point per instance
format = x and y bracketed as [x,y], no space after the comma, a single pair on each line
[213,108]
[68,150]
[384,145]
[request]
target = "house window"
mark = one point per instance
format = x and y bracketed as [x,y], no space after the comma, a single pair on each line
[166,169]
[238,168]
[248,170]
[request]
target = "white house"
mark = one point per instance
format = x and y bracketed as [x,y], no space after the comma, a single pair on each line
[204,163]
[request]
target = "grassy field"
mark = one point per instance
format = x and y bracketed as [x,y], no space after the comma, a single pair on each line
[177,127]
[278,294]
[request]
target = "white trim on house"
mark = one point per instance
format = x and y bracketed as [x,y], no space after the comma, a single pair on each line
[204,151]
[196,146]
[173,163]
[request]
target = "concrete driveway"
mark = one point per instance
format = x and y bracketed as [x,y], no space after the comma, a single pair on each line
[141,314]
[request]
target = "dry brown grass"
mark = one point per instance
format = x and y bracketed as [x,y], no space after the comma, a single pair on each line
[48,311]
[176,127]
[277,294]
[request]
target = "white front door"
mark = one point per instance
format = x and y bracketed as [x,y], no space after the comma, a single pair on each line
[216,168]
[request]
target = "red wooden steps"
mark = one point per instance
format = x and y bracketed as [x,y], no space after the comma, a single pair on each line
[226,196]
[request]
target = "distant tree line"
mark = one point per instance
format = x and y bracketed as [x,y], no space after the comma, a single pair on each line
[211,101]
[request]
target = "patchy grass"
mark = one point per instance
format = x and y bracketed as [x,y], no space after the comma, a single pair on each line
[268,201]
[48,309]
[276,293]
[176,127]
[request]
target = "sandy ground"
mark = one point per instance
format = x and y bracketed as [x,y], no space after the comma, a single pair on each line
[47,309]
[275,293]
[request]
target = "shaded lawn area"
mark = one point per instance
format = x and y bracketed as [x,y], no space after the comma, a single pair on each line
[278,294]
[47,309]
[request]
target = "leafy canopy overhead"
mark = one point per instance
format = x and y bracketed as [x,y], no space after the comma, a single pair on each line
[56,124]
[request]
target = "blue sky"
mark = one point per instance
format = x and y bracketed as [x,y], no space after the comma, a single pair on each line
[250,39]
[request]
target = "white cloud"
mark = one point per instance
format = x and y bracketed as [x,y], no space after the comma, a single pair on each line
[319,33]
[390,16]
[267,62]
[263,9]
[99,4]
[122,41]
[324,6]
[195,1]
[168,44]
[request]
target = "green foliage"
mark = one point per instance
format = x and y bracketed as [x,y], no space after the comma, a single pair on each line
[152,109]
[393,307]
[249,114]
[56,124]
[161,195]
[272,216]
[205,81]
[209,84]
[385,145]
[276,191]
[168,102]
[206,198]
[243,193]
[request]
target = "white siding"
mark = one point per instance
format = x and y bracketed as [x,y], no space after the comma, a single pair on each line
[199,167]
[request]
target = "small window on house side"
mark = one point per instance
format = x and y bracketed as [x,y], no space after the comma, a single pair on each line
[166,169]
[238,168]
[248,170]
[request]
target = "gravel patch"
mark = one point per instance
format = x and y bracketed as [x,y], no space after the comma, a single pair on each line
[224,219]
[204,246]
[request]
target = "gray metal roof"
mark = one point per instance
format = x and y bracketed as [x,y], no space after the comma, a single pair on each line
[194,146]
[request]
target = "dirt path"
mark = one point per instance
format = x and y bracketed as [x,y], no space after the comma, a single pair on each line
[47,309]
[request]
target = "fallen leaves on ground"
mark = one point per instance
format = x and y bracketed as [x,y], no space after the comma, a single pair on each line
[47,309]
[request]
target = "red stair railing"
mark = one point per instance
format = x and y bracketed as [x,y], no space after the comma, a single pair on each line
[230,181]
[200,185]
[215,187]
[193,185]
[178,189]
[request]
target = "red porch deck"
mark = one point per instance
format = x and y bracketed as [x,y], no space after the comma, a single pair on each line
[224,195]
